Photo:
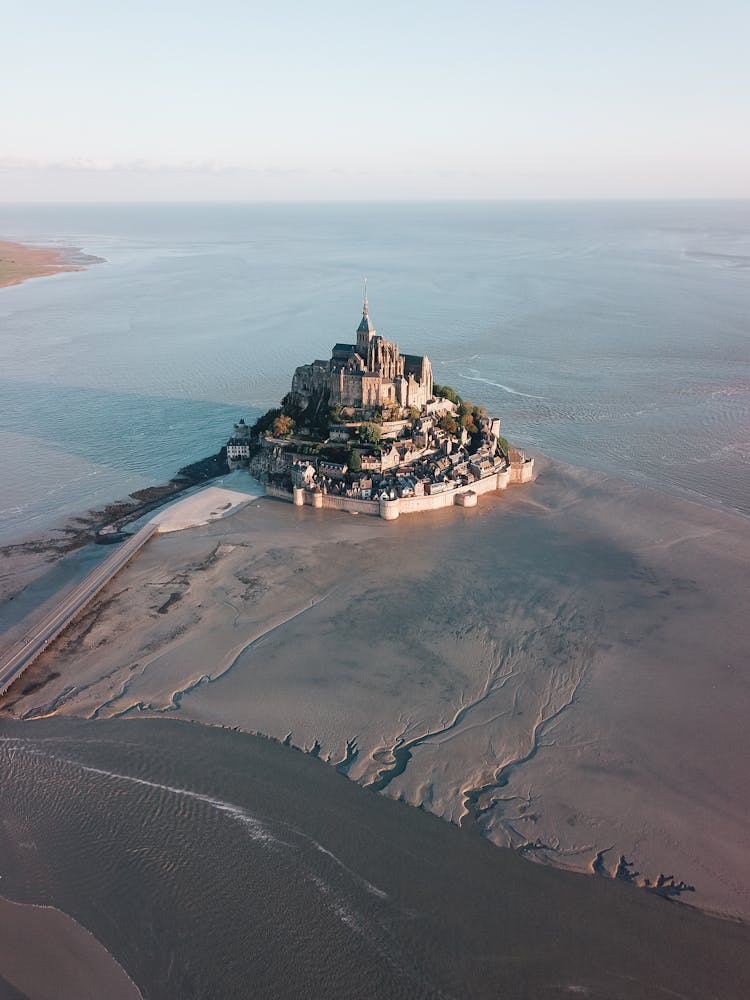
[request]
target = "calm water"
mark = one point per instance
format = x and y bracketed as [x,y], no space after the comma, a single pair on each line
[613,336]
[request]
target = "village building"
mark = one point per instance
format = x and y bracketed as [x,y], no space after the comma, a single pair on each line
[238,450]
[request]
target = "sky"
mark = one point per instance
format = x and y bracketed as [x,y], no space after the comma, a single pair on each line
[229,100]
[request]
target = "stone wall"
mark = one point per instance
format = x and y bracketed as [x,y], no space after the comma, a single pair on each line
[522,472]
[351,505]
[391,509]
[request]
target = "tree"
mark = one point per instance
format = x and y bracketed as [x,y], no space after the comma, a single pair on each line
[467,421]
[370,433]
[414,412]
[447,424]
[355,462]
[265,422]
[445,392]
[283,425]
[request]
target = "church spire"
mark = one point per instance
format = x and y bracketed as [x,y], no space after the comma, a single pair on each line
[365,330]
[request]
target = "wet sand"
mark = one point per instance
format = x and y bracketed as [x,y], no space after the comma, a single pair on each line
[560,669]
[19,262]
[216,864]
[46,955]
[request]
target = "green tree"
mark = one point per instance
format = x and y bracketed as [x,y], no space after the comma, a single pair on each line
[445,392]
[414,412]
[370,433]
[355,461]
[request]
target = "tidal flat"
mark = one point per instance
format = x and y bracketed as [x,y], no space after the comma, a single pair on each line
[19,262]
[560,670]
[212,863]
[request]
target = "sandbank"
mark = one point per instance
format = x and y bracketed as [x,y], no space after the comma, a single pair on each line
[46,955]
[559,669]
[207,505]
[19,262]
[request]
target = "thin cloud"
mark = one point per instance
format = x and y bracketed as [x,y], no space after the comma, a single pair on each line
[92,165]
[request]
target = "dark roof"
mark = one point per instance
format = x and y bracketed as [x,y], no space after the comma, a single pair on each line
[365,325]
[344,348]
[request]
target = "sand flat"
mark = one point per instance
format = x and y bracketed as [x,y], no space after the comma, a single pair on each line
[46,955]
[208,504]
[560,668]
[19,262]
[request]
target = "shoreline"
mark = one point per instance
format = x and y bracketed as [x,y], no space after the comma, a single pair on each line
[20,559]
[20,262]
[67,960]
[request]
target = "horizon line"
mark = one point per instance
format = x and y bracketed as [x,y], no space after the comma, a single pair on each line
[550,199]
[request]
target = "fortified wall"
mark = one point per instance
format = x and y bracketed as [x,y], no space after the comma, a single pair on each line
[390,510]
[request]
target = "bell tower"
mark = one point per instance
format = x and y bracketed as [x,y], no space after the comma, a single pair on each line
[365,330]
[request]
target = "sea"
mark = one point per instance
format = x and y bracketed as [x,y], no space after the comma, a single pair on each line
[612,336]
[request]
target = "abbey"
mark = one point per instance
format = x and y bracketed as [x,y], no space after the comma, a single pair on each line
[368,375]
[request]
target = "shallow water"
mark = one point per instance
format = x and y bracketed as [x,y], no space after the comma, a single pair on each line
[216,864]
[611,336]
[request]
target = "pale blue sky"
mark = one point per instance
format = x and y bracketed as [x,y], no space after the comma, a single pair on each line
[295,101]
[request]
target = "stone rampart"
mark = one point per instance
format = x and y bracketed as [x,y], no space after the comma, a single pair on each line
[350,504]
[391,509]
[522,472]
[277,491]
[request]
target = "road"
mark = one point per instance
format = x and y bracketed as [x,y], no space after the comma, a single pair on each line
[15,660]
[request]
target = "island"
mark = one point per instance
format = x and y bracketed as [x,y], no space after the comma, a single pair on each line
[369,431]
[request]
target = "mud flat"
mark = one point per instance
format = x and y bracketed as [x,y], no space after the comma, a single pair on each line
[559,670]
[46,955]
[19,262]
[217,864]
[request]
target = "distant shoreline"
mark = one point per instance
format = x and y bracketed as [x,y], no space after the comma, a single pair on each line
[19,262]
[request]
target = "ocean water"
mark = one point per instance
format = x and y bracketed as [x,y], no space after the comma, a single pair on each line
[614,336]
